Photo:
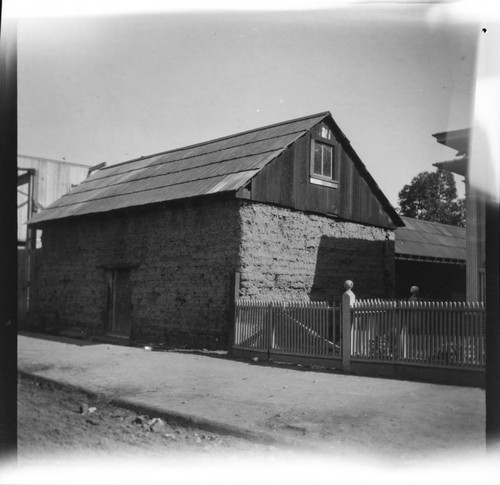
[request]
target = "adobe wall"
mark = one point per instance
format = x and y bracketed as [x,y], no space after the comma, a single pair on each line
[183,259]
[289,254]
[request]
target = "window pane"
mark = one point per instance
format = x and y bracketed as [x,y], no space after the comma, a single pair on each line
[325,132]
[317,166]
[327,160]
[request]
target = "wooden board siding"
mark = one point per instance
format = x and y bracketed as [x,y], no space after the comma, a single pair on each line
[301,154]
[286,182]
[286,189]
[53,178]
[275,182]
[346,176]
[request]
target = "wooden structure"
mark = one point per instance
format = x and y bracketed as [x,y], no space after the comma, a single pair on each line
[419,332]
[40,181]
[146,248]
[293,164]
[299,328]
[431,256]
[292,183]
[475,210]
[435,341]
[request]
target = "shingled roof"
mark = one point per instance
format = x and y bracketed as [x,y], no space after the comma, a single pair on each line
[213,167]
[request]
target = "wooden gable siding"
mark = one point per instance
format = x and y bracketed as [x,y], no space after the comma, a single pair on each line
[286,182]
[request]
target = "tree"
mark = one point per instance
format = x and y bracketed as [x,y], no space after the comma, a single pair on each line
[432,196]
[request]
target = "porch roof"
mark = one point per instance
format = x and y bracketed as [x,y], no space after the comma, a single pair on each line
[430,241]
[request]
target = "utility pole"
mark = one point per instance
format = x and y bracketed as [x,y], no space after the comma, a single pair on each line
[8,240]
[493,326]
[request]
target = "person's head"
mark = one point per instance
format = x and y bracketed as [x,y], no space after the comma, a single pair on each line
[414,290]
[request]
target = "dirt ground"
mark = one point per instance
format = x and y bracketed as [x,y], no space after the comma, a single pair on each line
[56,421]
[64,434]
[311,411]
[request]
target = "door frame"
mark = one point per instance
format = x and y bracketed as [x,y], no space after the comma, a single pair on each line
[111,305]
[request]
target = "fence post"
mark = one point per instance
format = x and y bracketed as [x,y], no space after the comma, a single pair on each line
[233,296]
[348,298]
[402,325]
[270,329]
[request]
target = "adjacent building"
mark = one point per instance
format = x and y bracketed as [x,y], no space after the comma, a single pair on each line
[475,208]
[40,181]
[432,256]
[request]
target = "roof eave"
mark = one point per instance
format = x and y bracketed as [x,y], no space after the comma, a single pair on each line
[37,224]
[456,139]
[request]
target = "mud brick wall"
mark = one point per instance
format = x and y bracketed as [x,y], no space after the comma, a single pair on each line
[287,254]
[182,258]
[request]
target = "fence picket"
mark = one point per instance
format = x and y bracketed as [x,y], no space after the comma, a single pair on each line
[425,333]
[430,333]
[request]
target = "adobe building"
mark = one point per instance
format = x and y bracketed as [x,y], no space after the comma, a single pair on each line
[148,249]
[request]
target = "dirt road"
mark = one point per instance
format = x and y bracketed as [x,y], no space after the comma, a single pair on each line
[64,435]
[57,421]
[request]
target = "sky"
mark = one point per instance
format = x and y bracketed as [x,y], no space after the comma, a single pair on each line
[115,87]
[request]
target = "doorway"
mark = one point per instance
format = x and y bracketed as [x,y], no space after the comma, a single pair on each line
[119,303]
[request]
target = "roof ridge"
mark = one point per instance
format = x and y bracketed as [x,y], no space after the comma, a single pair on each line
[194,156]
[121,182]
[260,128]
[431,222]
[54,160]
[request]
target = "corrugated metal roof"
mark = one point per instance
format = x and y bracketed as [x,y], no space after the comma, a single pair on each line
[430,240]
[216,166]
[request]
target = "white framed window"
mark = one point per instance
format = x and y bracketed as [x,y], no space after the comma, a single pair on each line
[323,170]
[325,132]
[322,160]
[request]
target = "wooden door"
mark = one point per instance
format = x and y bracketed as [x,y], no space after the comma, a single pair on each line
[120,303]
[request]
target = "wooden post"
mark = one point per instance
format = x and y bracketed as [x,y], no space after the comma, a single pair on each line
[234,294]
[270,328]
[492,338]
[348,298]
[401,321]
[8,235]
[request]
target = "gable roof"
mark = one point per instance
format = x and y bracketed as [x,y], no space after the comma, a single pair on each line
[216,166]
[430,241]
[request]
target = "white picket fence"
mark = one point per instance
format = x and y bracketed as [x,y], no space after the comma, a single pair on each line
[431,334]
[287,327]
[422,332]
